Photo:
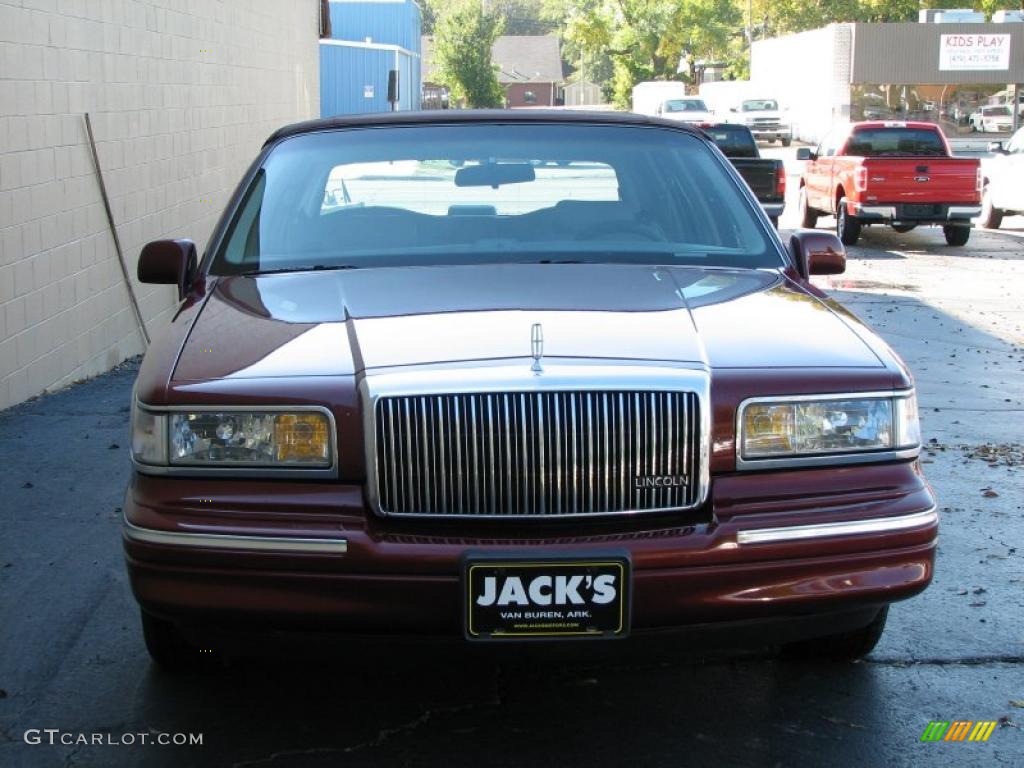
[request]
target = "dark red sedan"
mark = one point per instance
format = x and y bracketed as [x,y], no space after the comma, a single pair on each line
[516,376]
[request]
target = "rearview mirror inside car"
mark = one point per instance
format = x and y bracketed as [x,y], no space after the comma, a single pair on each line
[494,174]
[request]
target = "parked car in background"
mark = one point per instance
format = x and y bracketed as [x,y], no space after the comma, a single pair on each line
[994,119]
[901,174]
[1002,191]
[766,177]
[574,388]
[668,99]
[765,120]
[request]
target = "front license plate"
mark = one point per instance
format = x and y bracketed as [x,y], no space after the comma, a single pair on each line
[557,597]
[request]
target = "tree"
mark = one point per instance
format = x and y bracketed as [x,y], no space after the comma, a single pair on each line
[646,39]
[521,17]
[463,36]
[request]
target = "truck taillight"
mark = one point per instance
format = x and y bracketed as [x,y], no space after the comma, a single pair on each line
[780,181]
[860,179]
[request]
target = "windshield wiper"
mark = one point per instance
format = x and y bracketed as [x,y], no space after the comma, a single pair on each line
[313,268]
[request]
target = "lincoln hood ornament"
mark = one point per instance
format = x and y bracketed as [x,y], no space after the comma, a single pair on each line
[537,347]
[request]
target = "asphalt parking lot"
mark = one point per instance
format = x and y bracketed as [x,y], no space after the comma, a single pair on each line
[72,658]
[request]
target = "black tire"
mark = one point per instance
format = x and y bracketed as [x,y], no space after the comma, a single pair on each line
[847,226]
[808,216]
[844,646]
[169,650]
[903,228]
[786,142]
[991,217]
[775,221]
[956,235]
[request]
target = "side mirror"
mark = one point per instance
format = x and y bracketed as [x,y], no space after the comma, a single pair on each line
[997,147]
[805,153]
[818,253]
[169,262]
[732,109]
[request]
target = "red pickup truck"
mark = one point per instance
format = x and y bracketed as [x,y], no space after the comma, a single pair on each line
[896,173]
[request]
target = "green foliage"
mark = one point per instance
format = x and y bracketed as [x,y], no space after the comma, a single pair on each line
[521,17]
[646,39]
[463,36]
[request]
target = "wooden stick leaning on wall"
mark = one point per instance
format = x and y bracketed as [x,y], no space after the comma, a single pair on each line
[113,231]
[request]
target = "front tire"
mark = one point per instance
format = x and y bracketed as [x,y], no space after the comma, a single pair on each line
[956,235]
[808,216]
[786,142]
[991,217]
[844,646]
[169,650]
[847,226]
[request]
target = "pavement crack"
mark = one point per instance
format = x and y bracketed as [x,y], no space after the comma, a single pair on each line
[384,735]
[969,661]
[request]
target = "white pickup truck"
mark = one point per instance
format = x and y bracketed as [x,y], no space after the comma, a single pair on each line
[1002,193]
[668,99]
[765,120]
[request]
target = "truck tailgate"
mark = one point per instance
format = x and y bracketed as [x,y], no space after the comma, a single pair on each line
[760,175]
[911,180]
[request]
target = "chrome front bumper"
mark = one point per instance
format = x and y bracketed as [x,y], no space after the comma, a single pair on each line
[339,546]
[887,213]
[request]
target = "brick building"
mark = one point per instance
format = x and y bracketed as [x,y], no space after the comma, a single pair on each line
[529,69]
[181,97]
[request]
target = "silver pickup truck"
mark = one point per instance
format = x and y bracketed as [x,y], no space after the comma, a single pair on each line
[765,120]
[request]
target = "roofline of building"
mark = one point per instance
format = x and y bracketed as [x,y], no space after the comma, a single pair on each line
[369,46]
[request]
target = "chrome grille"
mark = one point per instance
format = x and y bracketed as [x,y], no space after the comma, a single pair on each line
[550,453]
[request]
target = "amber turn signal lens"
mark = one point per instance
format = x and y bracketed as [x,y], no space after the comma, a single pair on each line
[302,438]
[768,429]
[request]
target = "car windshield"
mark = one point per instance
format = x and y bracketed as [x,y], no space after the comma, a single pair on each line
[485,193]
[995,111]
[685,105]
[734,141]
[908,142]
[761,105]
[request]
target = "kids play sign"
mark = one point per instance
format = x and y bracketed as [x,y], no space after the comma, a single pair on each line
[974,52]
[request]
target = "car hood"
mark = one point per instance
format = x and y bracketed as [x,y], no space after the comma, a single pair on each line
[343,322]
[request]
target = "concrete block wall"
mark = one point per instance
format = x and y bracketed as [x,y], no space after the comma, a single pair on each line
[182,94]
[817,96]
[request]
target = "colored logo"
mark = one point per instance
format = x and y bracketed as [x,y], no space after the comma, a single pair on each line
[958,730]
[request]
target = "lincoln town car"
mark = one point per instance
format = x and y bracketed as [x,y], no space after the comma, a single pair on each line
[513,377]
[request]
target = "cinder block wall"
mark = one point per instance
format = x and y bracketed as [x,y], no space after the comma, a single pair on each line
[182,93]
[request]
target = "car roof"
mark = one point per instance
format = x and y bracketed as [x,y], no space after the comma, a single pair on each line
[917,124]
[463,116]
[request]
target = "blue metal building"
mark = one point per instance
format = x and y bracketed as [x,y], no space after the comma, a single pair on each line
[369,38]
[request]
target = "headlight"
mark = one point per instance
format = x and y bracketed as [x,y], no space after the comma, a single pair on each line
[232,438]
[802,426]
[254,439]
